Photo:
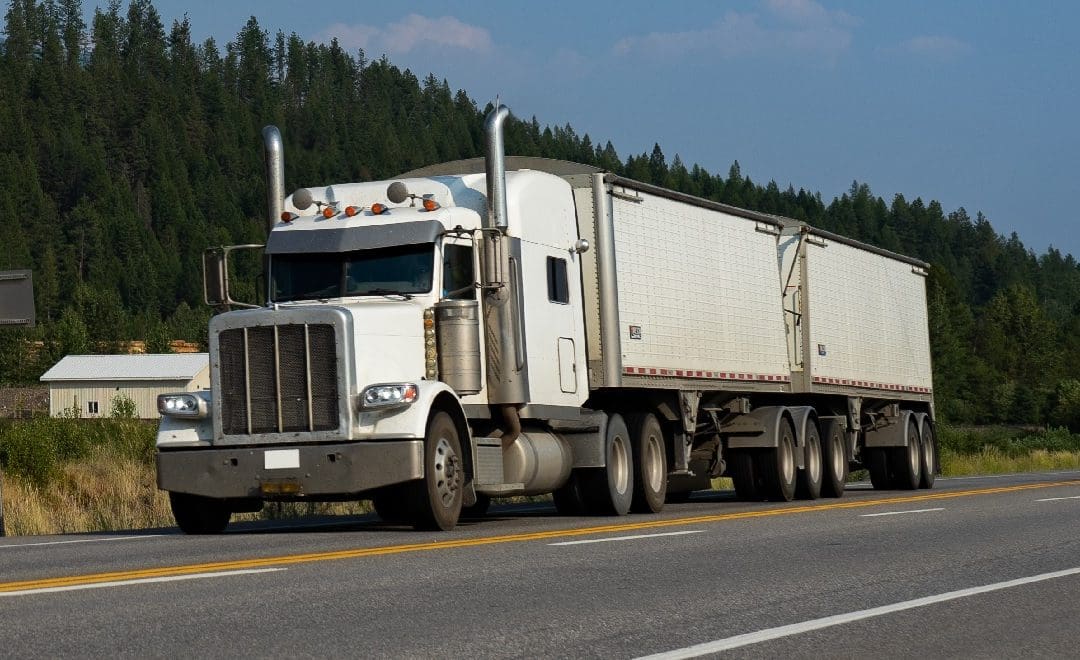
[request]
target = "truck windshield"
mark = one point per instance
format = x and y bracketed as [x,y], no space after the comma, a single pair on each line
[397,270]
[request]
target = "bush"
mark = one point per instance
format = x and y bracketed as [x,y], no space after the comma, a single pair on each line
[35,449]
[1010,442]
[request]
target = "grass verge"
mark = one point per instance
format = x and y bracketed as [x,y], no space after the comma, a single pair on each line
[70,476]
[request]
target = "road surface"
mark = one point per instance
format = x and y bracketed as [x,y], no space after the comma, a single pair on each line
[978,567]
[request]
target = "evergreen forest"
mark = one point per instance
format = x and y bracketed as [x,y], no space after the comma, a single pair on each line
[126,149]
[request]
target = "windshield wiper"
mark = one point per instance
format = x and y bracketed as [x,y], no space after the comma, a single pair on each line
[386,293]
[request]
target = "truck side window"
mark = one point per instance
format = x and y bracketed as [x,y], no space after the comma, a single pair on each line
[558,289]
[458,272]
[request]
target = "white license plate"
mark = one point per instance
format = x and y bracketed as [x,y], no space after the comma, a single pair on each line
[280,459]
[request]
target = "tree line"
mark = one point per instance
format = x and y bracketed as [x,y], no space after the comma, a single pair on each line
[126,148]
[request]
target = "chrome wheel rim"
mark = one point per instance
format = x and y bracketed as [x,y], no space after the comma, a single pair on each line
[787,459]
[837,456]
[447,471]
[813,460]
[654,472]
[620,464]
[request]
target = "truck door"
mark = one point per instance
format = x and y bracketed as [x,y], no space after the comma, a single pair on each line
[558,287]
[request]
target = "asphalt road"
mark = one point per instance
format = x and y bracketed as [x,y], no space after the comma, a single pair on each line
[981,567]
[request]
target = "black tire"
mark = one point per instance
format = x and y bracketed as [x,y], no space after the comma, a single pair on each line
[195,514]
[568,499]
[744,476]
[808,486]
[905,463]
[876,460]
[610,490]
[776,465]
[833,459]
[392,504]
[479,509]
[650,463]
[929,456]
[435,500]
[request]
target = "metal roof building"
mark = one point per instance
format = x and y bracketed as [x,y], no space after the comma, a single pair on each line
[90,383]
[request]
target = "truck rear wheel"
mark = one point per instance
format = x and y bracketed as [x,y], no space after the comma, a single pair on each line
[437,498]
[195,514]
[906,462]
[810,477]
[777,465]
[744,476]
[833,459]
[610,490]
[929,456]
[650,463]
[877,464]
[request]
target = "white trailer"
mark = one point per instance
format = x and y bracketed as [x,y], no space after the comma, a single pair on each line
[498,327]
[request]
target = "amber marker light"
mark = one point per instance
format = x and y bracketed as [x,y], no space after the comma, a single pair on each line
[288,216]
[430,205]
[351,211]
[329,212]
[378,209]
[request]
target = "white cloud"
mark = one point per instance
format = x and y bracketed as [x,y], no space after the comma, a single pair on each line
[936,46]
[789,26]
[808,12]
[407,34]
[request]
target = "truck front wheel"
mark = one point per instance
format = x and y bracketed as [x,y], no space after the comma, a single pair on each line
[195,514]
[437,498]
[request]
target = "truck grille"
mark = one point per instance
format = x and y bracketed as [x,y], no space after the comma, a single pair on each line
[278,379]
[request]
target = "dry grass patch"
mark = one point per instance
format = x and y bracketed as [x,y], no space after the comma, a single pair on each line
[101,492]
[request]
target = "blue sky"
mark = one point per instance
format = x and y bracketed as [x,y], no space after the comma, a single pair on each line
[971,103]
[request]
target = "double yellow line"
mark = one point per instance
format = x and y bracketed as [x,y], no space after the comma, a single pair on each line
[356,553]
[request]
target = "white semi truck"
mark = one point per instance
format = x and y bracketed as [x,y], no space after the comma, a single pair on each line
[518,326]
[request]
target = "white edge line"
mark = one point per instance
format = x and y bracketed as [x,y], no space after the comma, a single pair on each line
[112,538]
[817,624]
[124,583]
[899,513]
[1056,499]
[629,538]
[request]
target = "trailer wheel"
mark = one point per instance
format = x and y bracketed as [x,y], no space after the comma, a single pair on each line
[610,490]
[929,457]
[744,476]
[877,463]
[567,498]
[195,514]
[437,498]
[650,463]
[906,462]
[833,459]
[810,477]
[777,465]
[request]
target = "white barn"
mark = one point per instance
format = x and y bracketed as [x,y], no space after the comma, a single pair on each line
[91,382]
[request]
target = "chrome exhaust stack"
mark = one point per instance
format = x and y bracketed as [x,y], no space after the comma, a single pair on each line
[274,155]
[507,378]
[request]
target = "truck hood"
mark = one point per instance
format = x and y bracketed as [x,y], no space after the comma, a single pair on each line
[388,339]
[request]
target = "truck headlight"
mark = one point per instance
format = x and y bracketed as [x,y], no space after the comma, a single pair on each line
[389,394]
[182,405]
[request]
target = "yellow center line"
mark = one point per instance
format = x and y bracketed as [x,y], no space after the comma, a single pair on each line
[286,560]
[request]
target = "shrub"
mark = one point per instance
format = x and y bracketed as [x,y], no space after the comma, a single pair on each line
[36,448]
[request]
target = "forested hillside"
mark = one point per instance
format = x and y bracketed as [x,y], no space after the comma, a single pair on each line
[125,149]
